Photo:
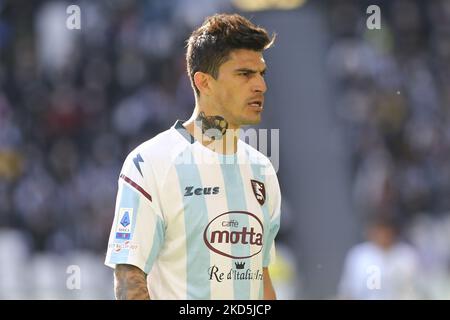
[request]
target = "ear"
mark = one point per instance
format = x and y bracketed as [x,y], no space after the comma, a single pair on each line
[202,82]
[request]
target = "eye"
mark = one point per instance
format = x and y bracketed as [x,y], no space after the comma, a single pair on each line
[244,73]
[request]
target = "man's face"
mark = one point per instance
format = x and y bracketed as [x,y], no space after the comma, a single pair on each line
[238,91]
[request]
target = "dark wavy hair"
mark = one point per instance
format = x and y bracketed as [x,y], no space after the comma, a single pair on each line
[210,45]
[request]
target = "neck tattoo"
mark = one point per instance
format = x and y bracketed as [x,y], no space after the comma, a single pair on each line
[213,127]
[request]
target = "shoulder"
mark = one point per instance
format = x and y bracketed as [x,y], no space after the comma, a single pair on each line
[161,144]
[155,155]
[361,250]
[254,156]
[263,171]
[162,148]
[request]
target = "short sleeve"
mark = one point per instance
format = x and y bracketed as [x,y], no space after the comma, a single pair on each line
[138,228]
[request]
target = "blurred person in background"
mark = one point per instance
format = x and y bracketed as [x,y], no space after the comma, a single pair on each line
[198,209]
[384,267]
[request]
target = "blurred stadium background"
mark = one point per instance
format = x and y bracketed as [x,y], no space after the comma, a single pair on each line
[363,118]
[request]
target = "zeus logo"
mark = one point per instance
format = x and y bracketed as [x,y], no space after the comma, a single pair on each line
[189,191]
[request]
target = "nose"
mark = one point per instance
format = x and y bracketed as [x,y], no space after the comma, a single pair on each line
[260,85]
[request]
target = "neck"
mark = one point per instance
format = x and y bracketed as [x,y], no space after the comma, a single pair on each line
[213,131]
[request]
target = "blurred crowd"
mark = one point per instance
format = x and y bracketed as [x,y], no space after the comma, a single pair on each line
[393,99]
[73,103]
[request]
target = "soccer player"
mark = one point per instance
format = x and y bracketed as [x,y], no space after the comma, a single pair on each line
[197,208]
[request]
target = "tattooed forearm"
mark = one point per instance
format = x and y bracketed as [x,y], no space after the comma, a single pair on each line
[130,283]
[212,126]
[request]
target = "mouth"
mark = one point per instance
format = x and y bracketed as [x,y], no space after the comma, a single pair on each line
[256,104]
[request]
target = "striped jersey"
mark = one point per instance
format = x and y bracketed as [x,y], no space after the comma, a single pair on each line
[200,224]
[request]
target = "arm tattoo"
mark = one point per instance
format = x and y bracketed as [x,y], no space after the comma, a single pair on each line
[130,283]
[212,126]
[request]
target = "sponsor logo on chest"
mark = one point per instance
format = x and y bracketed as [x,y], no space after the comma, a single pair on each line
[225,232]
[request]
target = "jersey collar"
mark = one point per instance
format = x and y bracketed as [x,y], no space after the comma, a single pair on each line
[182,130]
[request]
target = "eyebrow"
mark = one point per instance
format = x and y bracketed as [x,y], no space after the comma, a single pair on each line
[250,70]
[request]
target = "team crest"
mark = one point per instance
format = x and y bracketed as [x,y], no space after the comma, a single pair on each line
[259,190]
